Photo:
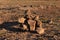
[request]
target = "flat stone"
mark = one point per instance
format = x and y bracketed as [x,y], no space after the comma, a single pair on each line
[40,30]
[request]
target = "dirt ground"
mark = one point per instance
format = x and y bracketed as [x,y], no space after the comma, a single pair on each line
[11,29]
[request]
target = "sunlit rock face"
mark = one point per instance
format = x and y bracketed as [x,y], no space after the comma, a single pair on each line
[40,30]
[32,24]
[21,20]
[25,27]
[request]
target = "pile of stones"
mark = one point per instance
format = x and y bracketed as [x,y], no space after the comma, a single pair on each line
[32,22]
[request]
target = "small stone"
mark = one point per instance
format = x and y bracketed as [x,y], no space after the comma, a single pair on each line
[21,20]
[25,27]
[40,30]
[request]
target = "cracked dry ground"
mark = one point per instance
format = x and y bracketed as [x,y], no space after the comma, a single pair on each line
[12,30]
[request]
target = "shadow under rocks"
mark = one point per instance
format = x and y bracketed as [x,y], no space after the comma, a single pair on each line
[34,32]
[8,26]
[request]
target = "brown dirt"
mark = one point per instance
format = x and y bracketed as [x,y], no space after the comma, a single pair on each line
[12,30]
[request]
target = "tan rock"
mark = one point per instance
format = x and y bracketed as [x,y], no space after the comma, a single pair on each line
[1,20]
[25,27]
[37,17]
[21,20]
[39,22]
[40,31]
[51,21]
[32,24]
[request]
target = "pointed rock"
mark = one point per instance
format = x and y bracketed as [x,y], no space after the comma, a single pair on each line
[32,24]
